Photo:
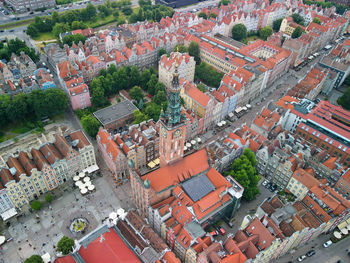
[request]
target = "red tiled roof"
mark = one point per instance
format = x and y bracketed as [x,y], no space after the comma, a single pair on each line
[192,91]
[173,174]
[305,178]
[108,248]
[111,146]
[66,259]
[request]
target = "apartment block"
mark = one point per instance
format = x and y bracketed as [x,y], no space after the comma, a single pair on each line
[185,66]
[22,6]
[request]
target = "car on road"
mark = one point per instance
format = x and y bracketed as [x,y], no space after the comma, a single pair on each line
[301,258]
[311,253]
[214,233]
[221,230]
[12,30]
[31,12]
[327,243]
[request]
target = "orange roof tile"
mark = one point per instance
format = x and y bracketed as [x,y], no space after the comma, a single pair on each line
[173,174]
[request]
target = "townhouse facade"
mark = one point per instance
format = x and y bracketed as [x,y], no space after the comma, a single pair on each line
[26,176]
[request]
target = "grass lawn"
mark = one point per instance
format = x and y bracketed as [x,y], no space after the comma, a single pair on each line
[253,38]
[101,21]
[44,36]
[12,130]
[17,23]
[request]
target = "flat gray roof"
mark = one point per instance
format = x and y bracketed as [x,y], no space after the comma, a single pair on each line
[198,187]
[115,112]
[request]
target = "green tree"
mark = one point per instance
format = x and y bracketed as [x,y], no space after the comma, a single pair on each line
[65,245]
[152,110]
[140,106]
[32,31]
[36,205]
[203,15]
[161,52]
[90,125]
[244,172]
[344,100]
[298,19]
[121,21]
[151,84]
[316,20]
[239,32]
[48,198]
[133,18]
[145,77]
[213,15]
[5,101]
[277,24]
[297,32]
[139,117]
[57,102]
[180,48]
[34,259]
[224,2]
[91,11]
[193,50]
[134,76]
[18,108]
[127,10]
[208,75]
[201,87]
[60,28]
[160,97]
[136,93]
[265,32]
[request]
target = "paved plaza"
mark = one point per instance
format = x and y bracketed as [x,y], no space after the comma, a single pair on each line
[39,232]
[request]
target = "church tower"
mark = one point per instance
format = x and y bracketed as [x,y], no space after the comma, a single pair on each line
[172,126]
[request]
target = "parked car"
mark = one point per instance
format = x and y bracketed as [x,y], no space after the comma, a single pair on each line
[265,183]
[301,258]
[328,243]
[221,230]
[214,233]
[311,253]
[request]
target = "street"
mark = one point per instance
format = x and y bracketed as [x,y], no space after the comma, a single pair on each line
[331,254]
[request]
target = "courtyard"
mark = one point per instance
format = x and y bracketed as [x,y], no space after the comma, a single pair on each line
[39,232]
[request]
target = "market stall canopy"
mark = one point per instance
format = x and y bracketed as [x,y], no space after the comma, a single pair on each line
[86,179]
[337,234]
[91,169]
[2,240]
[344,231]
[91,187]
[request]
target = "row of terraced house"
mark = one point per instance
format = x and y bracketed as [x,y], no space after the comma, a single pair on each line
[27,175]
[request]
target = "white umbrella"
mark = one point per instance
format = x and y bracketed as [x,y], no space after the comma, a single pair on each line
[188,145]
[88,183]
[199,139]
[337,234]
[82,186]
[76,178]
[193,142]
[91,187]
[83,191]
[2,240]
[344,231]
[113,215]
[219,124]
[348,227]
[78,183]
[86,179]
[81,175]
[185,148]
[223,122]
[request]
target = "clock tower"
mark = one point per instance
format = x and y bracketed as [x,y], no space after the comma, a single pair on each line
[172,126]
